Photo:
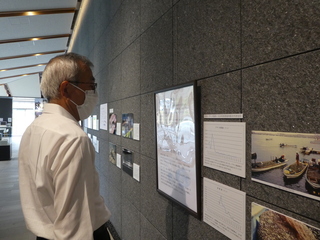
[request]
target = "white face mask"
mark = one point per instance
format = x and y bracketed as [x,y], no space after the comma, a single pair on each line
[90,101]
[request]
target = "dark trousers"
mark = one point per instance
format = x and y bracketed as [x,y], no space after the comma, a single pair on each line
[100,234]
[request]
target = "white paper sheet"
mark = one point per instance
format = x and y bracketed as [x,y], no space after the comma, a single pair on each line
[224,208]
[235,115]
[104,116]
[136,172]
[118,160]
[97,146]
[94,122]
[224,147]
[95,143]
[118,129]
[136,131]
[85,123]
[90,122]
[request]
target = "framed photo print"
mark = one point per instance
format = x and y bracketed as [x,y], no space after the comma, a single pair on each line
[127,161]
[127,125]
[178,175]
[112,123]
[112,153]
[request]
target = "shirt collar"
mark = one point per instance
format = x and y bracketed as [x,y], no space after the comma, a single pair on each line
[52,108]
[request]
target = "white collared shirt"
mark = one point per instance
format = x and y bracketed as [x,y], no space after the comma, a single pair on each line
[59,184]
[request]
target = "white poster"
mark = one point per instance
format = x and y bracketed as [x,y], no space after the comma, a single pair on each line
[90,124]
[94,122]
[224,208]
[118,132]
[104,116]
[176,146]
[224,147]
[136,131]
[95,143]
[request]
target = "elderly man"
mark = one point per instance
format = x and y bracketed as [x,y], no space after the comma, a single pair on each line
[59,185]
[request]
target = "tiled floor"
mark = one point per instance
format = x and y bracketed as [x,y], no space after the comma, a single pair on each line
[12,226]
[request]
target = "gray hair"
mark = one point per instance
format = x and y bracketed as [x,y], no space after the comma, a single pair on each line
[61,68]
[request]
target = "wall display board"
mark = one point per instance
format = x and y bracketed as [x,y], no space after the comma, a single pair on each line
[112,153]
[289,161]
[224,208]
[224,147]
[178,176]
[104,116]
[268,224]
[127,125]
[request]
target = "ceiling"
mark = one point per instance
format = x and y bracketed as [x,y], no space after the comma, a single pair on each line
[31,33]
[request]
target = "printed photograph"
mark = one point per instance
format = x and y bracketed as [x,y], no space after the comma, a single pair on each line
[127,161]
[267,224]
[112,153]
[39,106]
[127,125]
[112,123]
[290,161]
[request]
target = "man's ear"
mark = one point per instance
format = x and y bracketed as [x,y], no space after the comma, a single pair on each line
[63,89]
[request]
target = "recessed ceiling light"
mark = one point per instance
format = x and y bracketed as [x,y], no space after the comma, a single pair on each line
[31,13]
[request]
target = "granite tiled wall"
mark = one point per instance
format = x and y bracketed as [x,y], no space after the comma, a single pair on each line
[259,58]
[278,29]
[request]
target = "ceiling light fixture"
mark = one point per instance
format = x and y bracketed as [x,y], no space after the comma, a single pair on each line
[37,12]
[33,55]
[31,13]
[21,75]
[27,66]
[67,35]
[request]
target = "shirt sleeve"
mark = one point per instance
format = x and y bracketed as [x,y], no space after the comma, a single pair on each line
[74,196]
